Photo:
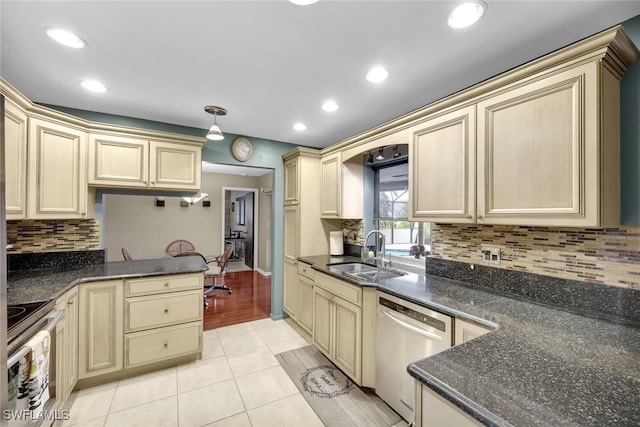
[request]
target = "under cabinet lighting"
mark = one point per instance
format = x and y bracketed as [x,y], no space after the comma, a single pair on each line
[303,2]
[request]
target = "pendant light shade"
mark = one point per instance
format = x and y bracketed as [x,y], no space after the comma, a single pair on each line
[215,133]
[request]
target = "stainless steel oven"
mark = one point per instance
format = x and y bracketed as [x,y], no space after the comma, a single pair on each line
[31,387]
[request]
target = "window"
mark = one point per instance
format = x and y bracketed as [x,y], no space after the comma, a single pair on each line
[406,241]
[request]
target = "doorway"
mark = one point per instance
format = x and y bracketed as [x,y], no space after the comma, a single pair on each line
[240,227]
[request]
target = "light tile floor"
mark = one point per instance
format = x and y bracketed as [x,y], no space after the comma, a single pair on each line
[238,382]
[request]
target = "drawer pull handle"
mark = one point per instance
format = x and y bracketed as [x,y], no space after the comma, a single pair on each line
[166,285]
[166,345]
[70,302]
[166,311]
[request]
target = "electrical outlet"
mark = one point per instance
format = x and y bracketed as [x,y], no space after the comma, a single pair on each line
[490,254]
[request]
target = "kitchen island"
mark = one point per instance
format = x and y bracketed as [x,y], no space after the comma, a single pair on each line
[540,366]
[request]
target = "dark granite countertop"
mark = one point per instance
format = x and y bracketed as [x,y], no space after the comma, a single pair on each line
[541,366]
[49,283]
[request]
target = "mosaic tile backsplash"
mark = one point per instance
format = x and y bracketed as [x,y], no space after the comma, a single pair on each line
[606,256]
[353,230]
[53,235]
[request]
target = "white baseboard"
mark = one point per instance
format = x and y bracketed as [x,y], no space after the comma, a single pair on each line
[264,273]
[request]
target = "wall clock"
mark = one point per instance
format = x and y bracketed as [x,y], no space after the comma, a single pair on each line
[241,149]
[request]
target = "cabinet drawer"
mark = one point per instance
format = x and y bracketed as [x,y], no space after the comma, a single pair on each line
[160,344]
[162,310]
[306,270]
[162,284]
[344,290]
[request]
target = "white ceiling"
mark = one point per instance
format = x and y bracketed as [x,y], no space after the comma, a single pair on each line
[272,63]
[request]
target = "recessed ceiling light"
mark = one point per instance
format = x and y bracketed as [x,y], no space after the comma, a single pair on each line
[300,127]
[466,14]
[66,38]
[377,74]
[303,2]
[94,86]
[330,106]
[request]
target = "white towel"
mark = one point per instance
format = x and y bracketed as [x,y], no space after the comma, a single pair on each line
[33,384]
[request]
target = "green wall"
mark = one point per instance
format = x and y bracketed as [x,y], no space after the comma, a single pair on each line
[266,154]
[630,134]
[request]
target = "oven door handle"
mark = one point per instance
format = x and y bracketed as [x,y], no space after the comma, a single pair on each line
[52,320]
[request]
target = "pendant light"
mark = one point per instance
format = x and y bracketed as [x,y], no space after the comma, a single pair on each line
[215,133]
[380,155]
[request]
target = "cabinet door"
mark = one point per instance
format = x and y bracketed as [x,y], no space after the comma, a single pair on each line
[116,161]
[57,171]
[290,288]
[466,331]
[174,166]
[67,345]
[442,168]
[348,338]
[15,131]
[101,332]
[323,322]
[436,411]
[305,303]
[538,156]
[291,178]
[331,167]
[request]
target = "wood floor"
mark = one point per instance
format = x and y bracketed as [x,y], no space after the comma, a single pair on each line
[250,300]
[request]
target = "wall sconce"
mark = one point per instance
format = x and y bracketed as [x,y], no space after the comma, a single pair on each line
[160,202]
[215,133]
[194,199]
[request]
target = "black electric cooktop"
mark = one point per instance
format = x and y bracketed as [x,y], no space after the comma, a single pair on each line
[21,316]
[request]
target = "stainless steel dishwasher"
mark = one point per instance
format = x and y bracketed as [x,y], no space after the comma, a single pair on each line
[405,333]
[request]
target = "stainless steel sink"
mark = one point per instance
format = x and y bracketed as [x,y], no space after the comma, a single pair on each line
[365,272]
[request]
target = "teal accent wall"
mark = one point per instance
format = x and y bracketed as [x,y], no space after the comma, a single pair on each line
[630,135]
[266,154]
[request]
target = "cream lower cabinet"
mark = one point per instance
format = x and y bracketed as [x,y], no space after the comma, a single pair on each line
[126,324]
[57,184]
[305,296]
[67,345]
[337,328]
[101,328]
[436,411]
[466,331]
[124,161]
[291,249]
[15,131]
[163,318]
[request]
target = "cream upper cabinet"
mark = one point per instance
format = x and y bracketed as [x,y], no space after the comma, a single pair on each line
[442,168]
[548,151]
[15,128]
[57,184]
[124,161]
[291,179]
[342,186]
[118,161]
[174,166]
[331,179]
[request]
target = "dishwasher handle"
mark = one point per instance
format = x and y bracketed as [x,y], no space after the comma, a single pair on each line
[395,318]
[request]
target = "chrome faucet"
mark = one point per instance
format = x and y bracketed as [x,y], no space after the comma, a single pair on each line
[385,262]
